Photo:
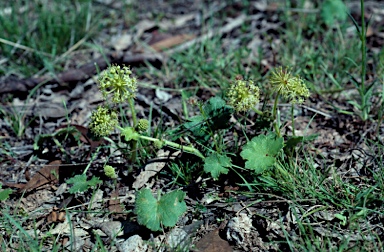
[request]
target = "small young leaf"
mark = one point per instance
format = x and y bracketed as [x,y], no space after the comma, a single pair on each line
[218,113]
[81,184]
[214,104]
[196,126]
[152,212]
[216,164]
[261,152]
[4,194]
[332,10]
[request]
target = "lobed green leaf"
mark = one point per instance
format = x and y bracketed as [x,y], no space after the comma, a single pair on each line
[261,152]
[216,164]
[166,211]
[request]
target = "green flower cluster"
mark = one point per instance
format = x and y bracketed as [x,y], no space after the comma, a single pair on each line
[110,172]
[290,87]
[118,82]
[243,95]
[103,121]
[142,125]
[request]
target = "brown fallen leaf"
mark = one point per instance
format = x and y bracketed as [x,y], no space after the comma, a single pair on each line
[171,42]
[114,203]
[47,174]
[212,242]
[56,215]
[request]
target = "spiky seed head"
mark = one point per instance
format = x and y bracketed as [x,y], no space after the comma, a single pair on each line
[288,86]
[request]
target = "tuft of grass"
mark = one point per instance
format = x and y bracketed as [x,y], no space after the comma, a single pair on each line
[210,63]
[320,53]
[15,236]
[351,204]
[36,32]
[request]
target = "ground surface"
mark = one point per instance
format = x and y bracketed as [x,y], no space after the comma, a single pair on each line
[332,201]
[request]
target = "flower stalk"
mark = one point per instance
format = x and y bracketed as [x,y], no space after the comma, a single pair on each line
[289,87]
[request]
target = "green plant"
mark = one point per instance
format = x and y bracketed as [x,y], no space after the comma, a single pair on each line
[110,171]
[119,83]
[243,95]
[363,105]
[81,184]
[217,164]
[261,152]
[16,118]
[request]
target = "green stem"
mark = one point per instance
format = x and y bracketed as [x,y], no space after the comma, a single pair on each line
[133,111]
[92,158]
[293,120]
[362,89]
[188,149]
[184,104]
[380,112]
[259,112]
[274,115]
[134,121]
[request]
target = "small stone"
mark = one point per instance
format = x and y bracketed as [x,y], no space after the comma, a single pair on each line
[133,244]
[238,227]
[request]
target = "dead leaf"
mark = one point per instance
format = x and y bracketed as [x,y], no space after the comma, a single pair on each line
[212,242]
[46,175]
[122,42]
[56,215]
[152,168]
[36,199]
[51,109]
[171,42]
[13,185]
[162,95]
[114,203]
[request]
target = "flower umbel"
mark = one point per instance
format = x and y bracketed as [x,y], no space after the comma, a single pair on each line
[110,172]
[118,82]
[142,125]
[290,87]
[243,95]
[103,121]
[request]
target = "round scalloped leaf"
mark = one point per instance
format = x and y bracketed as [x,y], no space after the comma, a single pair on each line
[261,152]
[152,212]
[216,164]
